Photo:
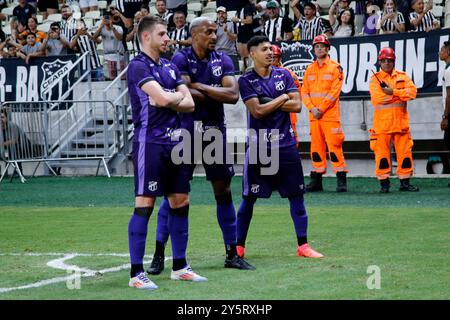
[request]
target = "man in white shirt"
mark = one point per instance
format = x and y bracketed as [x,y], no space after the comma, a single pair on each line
[113,50]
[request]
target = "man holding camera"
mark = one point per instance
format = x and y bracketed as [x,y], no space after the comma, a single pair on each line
[83,42]
[56,44]
[111,35]
[390,90]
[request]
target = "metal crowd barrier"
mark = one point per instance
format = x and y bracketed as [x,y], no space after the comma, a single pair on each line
[53,132]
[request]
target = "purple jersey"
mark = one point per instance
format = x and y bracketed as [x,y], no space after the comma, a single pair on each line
[208,71]
[152,124]
[251,85]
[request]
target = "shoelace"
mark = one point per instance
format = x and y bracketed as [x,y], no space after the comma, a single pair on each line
[143,278]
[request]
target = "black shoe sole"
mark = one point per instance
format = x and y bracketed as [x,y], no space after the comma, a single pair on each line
[154,271]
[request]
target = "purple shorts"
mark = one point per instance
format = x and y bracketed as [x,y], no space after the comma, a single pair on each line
[288,180]
[155,174]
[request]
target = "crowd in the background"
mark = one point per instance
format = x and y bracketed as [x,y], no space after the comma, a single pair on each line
[237,22]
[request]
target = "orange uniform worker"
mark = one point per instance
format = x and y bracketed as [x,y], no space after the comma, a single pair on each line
[322,83]
[390,89]
[277,63]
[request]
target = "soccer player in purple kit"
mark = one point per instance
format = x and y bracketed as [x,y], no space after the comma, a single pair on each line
[209,76]
[157,96]
[269,93]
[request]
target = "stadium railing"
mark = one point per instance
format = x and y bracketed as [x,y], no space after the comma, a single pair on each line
[52,132]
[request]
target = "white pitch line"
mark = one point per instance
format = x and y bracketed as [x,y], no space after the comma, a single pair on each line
[59,264]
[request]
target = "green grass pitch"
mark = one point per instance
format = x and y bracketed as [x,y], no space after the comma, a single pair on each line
[406,235]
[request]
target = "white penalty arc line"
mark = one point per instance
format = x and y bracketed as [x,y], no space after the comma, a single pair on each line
[61,265]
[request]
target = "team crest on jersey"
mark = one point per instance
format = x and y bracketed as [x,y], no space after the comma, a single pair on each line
[258,89]
[153,185]
[157,74]
[279,85]
[172,74]
[217,71]
[255,188]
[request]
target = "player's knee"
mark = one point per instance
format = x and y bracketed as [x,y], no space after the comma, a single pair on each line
[407,163]
[178,200]
[142,202]
[316,157]
[384,163]
[225,198]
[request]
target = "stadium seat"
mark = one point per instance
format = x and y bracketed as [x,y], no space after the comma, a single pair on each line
[438,11]
[212,15]
[102,5]
[447,7]
[231,14]
[45,27]
[208,10]
[55,17]
[39,18]
[190,17]
[324,4]
[196,6]
[438,2]
[92,14]
[7,30]
[8,11]
[211,4]
[89,22]
[447,21]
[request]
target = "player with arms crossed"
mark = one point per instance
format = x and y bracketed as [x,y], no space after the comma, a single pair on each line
[270,95]
[209,75]
[157,96]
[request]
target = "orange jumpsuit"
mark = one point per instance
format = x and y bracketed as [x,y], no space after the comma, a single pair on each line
[321,89]
[391,123]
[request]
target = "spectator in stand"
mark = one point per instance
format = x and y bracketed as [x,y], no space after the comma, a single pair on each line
[11,49]
[404,6]
[227,36]
[163,13]
[23,11]
[118,19]
[3,5]
[88,5]
[344,5]
[277,28]
[132,35]
[246,28]
[113,50]
[261,12]
[421,17]
[177,5]
[343,23]
[56,44]
[68,23]
[32,28]
[127,9]
[180,36]
[83,42]
[371,19]
[145,10]
[391,20]
[32,49]
[47,7]
[14,26]
[310,25]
